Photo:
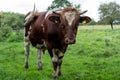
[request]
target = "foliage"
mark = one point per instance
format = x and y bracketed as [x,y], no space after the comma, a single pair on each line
[95,56]
[109,13]
[10,25]
[92,22]
[62,4]
[17,36]
[5,32]
[13,20]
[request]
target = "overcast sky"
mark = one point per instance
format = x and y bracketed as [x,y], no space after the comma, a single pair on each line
[23,6]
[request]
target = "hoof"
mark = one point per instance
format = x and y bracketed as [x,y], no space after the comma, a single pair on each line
[59,74]
[54,78]
[26,66]
[55,75]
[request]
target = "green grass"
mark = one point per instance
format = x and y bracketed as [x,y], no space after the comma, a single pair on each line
[99,27]
[95,56]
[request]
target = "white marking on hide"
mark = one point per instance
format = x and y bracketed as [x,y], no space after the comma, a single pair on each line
[61,54]
[55,57]
[70,16]
[39,46]
[39,52]
[27,49]
[50,12]
[57,70]
[29,30]
[43,28]
[26,38]
[28,18]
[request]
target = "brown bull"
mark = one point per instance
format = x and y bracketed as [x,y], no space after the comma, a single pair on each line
[54,31]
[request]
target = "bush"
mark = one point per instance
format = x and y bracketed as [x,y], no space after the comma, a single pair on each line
[5,32]
[16,37]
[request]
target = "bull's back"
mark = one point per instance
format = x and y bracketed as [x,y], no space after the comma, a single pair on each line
[40,19]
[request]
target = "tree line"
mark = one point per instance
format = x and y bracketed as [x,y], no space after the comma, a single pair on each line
[13,20]
[109,13]
[10,26]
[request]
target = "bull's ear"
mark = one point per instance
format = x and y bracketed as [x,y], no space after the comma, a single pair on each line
[55,19]
[84,19]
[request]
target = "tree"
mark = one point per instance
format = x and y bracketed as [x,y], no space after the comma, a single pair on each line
[93,22]
[1,19]
[13,20]
[109,13]
[5,32]
[62,4]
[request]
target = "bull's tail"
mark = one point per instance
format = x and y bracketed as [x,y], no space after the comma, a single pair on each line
[28,20]
[29,17]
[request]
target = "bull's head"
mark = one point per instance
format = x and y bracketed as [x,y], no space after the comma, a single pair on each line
[68,20]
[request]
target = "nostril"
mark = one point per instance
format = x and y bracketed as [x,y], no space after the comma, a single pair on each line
[70,41]
[67,40]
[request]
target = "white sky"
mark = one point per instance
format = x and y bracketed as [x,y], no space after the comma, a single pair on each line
[23,6]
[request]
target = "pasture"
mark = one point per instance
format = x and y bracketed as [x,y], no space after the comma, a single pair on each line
[95,56]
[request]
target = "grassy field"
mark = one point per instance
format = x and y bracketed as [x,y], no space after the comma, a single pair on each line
[99,27]
[95,56]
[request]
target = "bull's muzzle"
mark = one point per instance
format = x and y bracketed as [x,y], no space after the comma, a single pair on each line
[70,40]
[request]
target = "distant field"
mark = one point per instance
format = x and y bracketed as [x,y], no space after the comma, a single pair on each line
[98,27]
[95,56]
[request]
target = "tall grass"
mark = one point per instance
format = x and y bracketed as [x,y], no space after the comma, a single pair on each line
[95,56]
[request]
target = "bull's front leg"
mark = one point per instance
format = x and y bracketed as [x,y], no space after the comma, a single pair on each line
[39,52]
[27,50]
[57,61]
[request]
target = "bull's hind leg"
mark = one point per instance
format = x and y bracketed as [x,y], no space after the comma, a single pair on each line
[39,52]
[27,50]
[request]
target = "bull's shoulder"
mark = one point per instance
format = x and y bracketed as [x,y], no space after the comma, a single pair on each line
[39,17]
[40,14]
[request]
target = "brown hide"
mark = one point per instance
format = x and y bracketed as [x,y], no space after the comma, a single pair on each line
[36,35]
[54,32]
[44,30]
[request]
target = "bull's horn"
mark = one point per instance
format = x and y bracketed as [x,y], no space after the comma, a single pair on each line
[57,11]
[82,12]
[33,10]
